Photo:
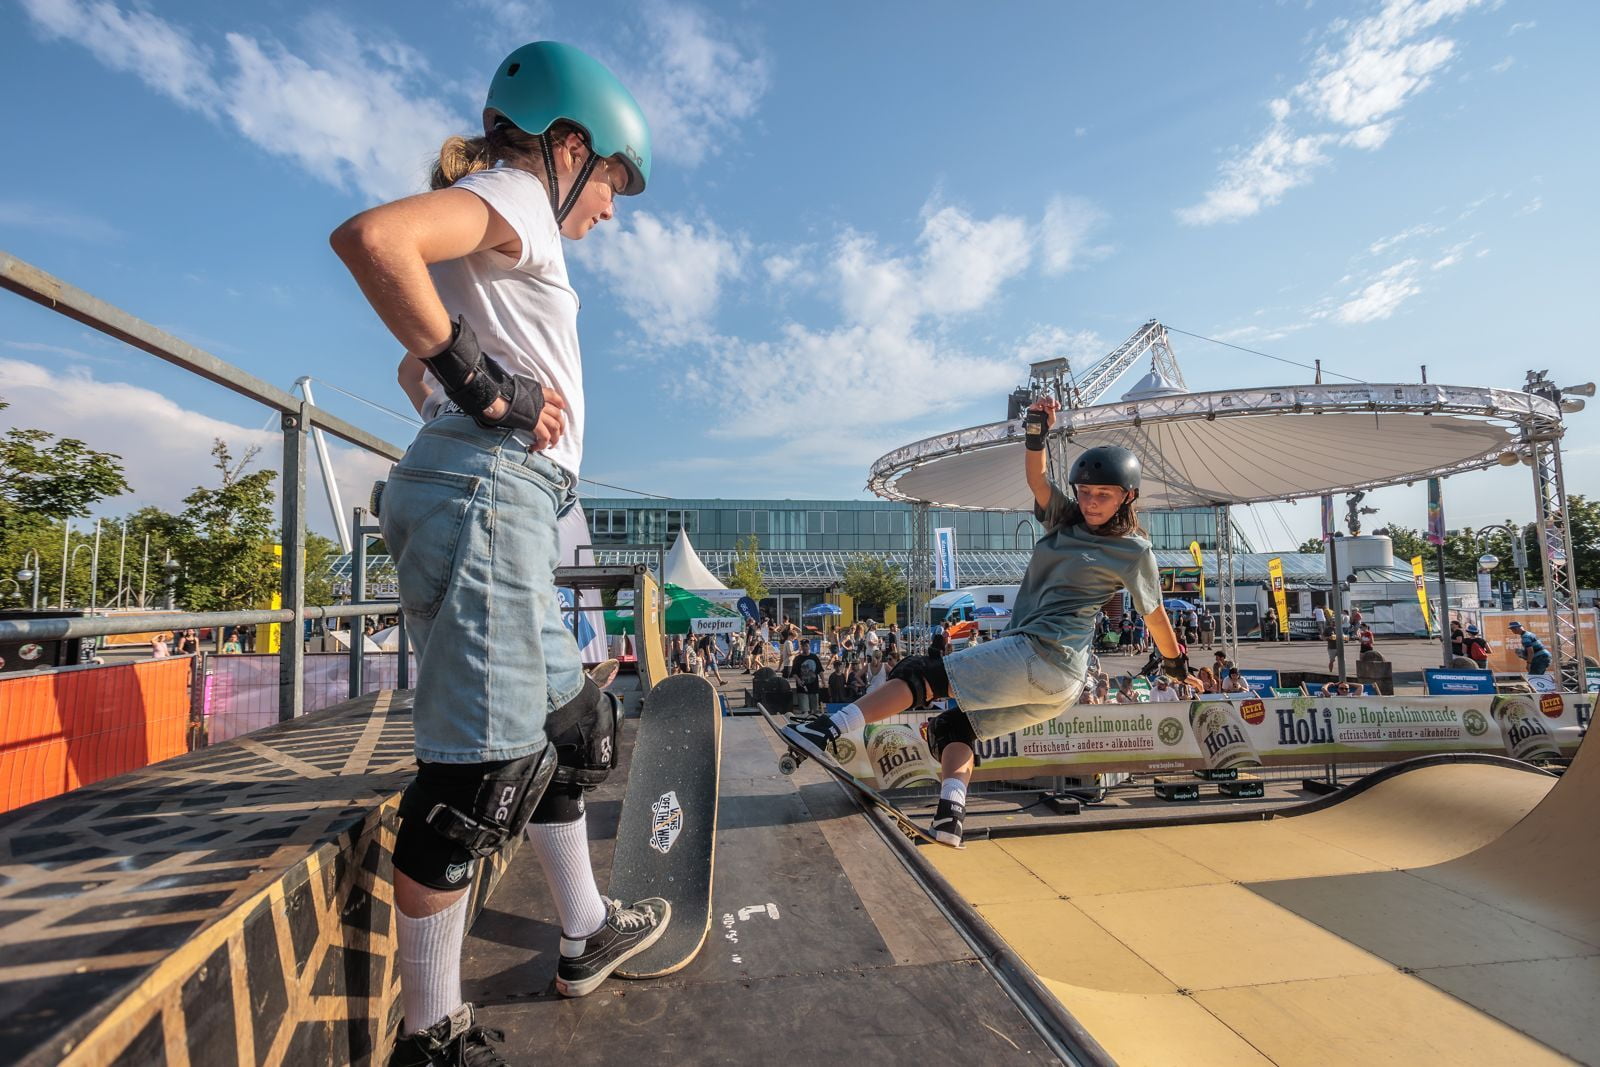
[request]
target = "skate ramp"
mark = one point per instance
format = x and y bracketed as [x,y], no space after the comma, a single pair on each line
[1444,913]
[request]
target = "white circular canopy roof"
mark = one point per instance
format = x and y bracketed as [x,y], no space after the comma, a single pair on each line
[1233,446]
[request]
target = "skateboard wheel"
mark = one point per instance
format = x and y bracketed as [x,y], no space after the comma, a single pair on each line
[788,765]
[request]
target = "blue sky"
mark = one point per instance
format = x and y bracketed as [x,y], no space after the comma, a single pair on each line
[864,219]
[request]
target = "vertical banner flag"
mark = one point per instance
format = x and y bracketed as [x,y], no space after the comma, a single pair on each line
[1280,597]
[1327,517]
[1435,534]
[944,557]
[1422,590]
[1199,561]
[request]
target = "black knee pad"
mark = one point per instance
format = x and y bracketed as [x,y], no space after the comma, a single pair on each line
[453,813]
[926,677]
[952,726]
[562,803]
[584,734]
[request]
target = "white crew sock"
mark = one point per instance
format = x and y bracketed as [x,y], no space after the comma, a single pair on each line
[954,789]
[848,718]
[430,963]
[563,851]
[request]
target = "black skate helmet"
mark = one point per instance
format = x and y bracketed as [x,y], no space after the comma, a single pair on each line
[1106,465]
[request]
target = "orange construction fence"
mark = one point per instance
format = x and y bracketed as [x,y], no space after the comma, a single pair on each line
[63,729]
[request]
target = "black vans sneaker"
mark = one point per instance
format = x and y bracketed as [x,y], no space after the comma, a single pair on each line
[947,822]
[625,933]
[820,731]
[454,1041]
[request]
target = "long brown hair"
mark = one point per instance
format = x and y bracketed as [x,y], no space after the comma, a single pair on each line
[504,143]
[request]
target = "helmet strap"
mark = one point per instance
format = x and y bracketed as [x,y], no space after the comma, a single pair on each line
[563,208]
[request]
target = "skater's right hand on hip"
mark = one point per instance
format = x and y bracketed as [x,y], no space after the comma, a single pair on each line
[550,426]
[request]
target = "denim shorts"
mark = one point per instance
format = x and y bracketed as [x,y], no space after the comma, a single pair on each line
[1010,682]
[469,516]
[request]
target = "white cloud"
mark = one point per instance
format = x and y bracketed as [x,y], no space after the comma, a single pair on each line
[695,87]
[1451,256]
[1383,296]
[363,110]
[1079,347]
[1518,27]
[162,55]
[164,447]
[1349,98]
[1536,204]
[60,222]
[1064,234]
[667,273]
[1383,244]
[1504,65]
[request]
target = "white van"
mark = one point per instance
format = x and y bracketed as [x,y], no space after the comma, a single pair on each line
[964,612]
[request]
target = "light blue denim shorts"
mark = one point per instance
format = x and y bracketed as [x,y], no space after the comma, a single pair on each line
[469,516]
[1010,682]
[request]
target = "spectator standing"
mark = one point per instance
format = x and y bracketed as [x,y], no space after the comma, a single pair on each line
[1474,647]
[1208,626]
[1458,639]
[160,648]
[1355,621]
[838,683]
[1532,651]
[1365,636]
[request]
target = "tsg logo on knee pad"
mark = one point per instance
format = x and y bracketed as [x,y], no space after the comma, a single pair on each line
[508,796]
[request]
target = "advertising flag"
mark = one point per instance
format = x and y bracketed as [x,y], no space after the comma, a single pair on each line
[1422,590]
[1327,517]
[944,557]
[1199,561]
[1280,597]
[1435,534]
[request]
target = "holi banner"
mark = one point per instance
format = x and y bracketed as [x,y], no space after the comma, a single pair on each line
[1280,596]
[1224,734]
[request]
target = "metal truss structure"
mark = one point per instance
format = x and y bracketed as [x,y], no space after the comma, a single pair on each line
[1541,438]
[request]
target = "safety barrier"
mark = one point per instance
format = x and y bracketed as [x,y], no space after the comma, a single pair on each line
[67,728]
[232,905]
[240,692]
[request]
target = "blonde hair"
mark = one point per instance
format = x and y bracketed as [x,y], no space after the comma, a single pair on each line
[504,143]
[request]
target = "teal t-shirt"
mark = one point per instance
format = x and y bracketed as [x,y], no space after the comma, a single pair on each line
[1071,575]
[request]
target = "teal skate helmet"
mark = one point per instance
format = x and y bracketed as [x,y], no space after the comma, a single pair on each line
[546,82]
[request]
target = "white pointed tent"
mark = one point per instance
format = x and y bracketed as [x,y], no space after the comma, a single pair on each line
[684,569]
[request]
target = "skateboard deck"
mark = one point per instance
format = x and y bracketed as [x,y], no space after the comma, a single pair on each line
[666,837]
[805,750]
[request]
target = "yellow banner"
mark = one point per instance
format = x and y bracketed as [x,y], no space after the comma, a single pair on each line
[1199,561]
[1280,598]
[1422,591]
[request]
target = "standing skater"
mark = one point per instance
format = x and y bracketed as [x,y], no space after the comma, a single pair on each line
[509,732]
[1036,668]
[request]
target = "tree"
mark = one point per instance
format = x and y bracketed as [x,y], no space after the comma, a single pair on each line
[873,580]
[321,552]
[1312,546]
[225,536]
[747,569]
[45,476]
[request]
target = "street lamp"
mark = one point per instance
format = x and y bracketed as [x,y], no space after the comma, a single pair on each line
[72,561]
[30,570]
[1519,555]
[13,581]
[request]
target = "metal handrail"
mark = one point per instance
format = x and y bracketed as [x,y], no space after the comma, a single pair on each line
[69,627]
[297,416]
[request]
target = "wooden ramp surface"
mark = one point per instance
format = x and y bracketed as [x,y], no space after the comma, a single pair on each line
[822,948]
[1446,914]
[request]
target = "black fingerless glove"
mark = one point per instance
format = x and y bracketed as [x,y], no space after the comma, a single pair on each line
[474,381]
[1176,667]
[1035,429]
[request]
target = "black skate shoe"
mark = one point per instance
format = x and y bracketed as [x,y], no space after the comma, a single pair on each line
[625,933]
[820,731]
[947,823]
[454,1041]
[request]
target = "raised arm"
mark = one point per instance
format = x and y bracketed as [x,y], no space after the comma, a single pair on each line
[1033,459]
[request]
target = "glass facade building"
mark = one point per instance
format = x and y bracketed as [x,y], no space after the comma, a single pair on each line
[847,525]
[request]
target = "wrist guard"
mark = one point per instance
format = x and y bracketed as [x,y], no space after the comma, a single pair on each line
[473,381]
[1176,667]
[1035,428]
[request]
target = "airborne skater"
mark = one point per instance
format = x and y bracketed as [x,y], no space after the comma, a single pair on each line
[471,280]
[1035,669]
